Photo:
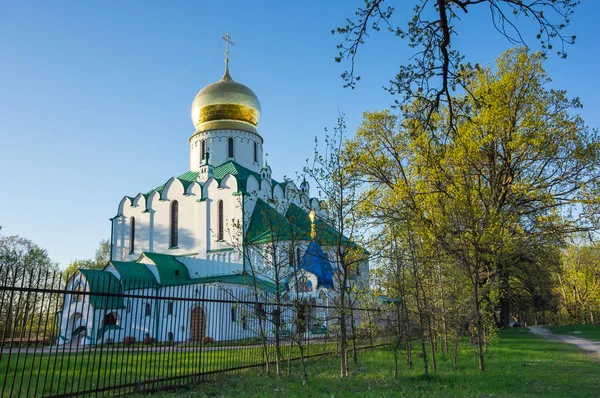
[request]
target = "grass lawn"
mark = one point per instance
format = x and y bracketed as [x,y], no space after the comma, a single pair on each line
[519,365]
[591,332]
[29,374]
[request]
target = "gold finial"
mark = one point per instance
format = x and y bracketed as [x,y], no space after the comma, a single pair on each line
[228,41]
[312,215]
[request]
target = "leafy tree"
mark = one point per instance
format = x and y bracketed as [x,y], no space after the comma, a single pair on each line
[24,314]
[515,170]
[102,257]
[579,282]
[340,189]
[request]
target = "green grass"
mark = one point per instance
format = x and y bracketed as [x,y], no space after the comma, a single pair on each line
[24,374]
[591,332]
[519,365]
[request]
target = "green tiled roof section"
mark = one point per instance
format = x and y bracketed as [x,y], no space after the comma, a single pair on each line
[241,279]
[267,225]
[235,169]
[170,270]
[186,179]
[220,171]
[103,282]
[134,275]
[325,233]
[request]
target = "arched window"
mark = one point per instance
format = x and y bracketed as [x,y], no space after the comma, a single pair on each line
[203,150]
[291,259]
[111,319]
[220,220]
[148,309]
[78,297]
[255,152]
[230,147]
[132,237]
[174,224]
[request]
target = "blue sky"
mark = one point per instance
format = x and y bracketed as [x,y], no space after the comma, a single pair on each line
[95,96]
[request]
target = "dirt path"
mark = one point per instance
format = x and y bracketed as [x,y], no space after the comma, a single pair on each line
[590,347]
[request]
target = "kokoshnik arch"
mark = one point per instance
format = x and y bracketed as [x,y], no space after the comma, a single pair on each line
[197,235]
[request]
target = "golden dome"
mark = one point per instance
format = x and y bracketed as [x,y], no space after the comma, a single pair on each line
[225,105]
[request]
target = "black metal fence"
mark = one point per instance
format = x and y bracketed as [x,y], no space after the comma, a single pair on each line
[97,335]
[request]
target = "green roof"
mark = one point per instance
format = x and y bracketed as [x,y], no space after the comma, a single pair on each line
[186,179]
[325,233]
[267,225]
[240,279]
[240,172]
[134,275]
[170,270]
[103,282]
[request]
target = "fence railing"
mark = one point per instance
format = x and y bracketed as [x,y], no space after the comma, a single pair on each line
[96,334]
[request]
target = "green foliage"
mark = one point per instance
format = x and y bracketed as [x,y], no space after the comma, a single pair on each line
[578,284]
[486,204]
[101,258]
[23,263]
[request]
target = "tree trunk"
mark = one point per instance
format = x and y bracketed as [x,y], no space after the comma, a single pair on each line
[343,341]
[479,325]
[455,353]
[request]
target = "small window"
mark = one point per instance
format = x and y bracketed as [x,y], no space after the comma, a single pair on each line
[132,236]
[170,308]
[128,305]
[174,224]
[276,316]
[260,312]
[148,310]
[244,323]
[233,314]
[230,147]
[255,152]
[220,220]
[203,149]
[176,272]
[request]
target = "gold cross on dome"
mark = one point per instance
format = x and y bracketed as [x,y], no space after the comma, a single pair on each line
[228,41]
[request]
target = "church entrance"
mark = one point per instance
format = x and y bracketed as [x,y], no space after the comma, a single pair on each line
[198,324]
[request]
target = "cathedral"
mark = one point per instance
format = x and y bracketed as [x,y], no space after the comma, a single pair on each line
[221,230]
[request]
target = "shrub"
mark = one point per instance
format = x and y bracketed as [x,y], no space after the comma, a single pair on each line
[109,341]
[128,340]
[149,340]
[207,339]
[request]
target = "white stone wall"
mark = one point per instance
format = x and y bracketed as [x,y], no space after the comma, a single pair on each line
[198,217]
[216,145]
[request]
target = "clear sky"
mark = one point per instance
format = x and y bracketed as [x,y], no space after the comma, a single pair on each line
[95,96]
